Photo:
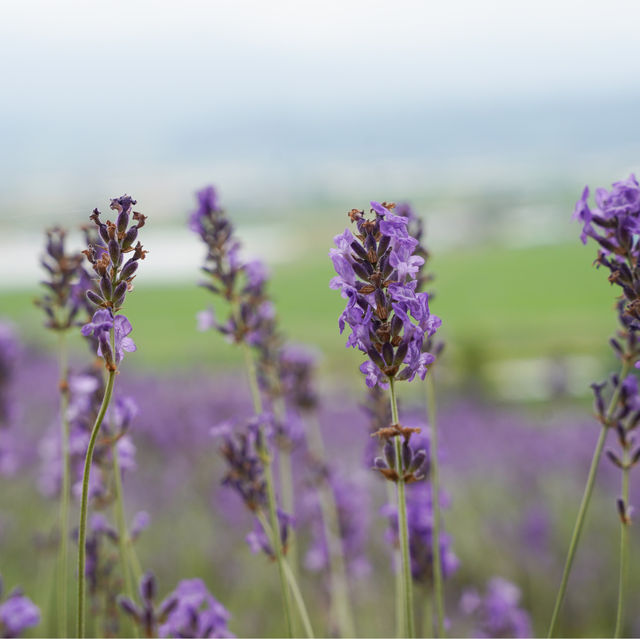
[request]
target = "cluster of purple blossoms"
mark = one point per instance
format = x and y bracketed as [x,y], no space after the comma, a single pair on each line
[114,278]
[377,275]
[17,613]
[420,515]
[252,317]
[66,285]
[497,614]
[239,283]
[615,226]
[197,613]
[242,449]
[415,227]
[189,611]
[85,396]
[625,419]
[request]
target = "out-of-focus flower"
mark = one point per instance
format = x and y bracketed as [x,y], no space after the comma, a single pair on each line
[497,614]
[17,613]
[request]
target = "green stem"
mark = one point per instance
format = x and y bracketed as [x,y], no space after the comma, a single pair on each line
[340,600]
[586,498]
[123,534]
[290,577]
[403,531]
[435,491]
[399,588]
[297,595]
[82,531]
[63,558]
[624,544]
[286,486]
[427,620]
[253,379]
[271,497]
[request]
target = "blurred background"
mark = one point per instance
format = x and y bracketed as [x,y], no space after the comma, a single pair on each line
[489,118]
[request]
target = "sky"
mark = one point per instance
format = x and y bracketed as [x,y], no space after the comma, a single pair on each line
[318,96]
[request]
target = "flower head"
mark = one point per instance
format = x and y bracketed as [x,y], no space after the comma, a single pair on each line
[17,613]
[377,271]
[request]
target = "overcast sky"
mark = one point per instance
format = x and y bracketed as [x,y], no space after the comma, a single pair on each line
[120,86]
[331,51]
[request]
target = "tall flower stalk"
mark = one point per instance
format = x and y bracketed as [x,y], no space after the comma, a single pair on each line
[342,527]
[113,279]
[61,303]
[416,230]
[376,273]
[615,226]
[251,324]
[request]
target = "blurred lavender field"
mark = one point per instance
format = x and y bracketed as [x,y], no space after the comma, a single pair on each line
[487,119]
[510,473]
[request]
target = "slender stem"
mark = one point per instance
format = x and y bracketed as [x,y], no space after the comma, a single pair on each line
[253,379]
[63,558]
[397,561]
[286,486]
[123,533]
[624,544]
[398,586]
[271,497]
[297,595]
[291,578]
[82,532]
[136,568]
[340,600]
[586,498]
[403,531]
[435,491]
[427,619]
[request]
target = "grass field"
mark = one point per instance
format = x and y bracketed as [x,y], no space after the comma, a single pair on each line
[495,304]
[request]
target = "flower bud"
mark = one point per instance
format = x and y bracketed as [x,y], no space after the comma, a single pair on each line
[129,269]
[407,455]
[148,587]
[122,221]
[390,453]
[130,237]
[106,287]
[95,298]
[114,251]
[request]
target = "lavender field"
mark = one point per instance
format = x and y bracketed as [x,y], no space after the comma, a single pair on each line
[319,319]
[232,429]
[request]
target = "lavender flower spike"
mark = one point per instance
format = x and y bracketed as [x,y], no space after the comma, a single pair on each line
[376,273]
[390,323]
[116,241]
[614,224]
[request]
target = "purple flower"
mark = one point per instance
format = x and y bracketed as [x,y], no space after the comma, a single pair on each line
[377,274]
[17,613]
[207,203]
[196,613]
[100,327]
[497,613]
[107,250]
[259,541]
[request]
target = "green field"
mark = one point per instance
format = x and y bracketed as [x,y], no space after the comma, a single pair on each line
[495,304]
